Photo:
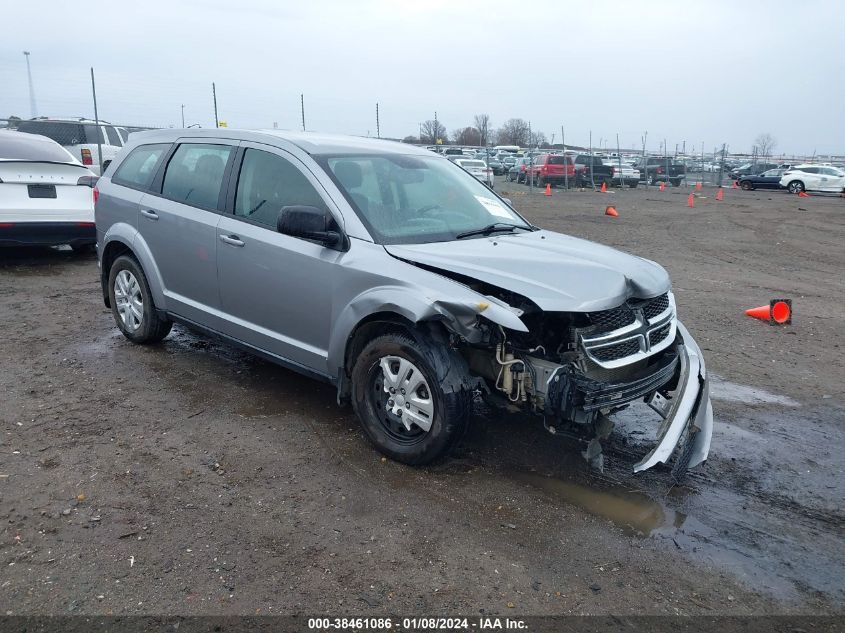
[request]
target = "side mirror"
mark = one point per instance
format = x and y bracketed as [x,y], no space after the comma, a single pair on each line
[309,223]
[106,164]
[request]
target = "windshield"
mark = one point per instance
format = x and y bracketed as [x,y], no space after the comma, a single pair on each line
[416,199]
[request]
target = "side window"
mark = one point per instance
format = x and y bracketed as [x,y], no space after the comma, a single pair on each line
[138,169]
[267,183]
[124,133]
[93,134]
[114,139]
[195,174]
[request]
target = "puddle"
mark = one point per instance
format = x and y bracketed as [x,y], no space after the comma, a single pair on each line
[721,389]
[634,512]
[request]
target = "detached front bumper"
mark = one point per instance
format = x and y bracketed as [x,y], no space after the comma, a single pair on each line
[690,414]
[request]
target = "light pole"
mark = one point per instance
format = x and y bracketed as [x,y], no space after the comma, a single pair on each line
[183,116]
[32,107]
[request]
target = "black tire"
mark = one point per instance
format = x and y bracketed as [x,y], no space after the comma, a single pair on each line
[746,186]
[633,185]
[152,327]
[676,182]
[446,374]
[796,186]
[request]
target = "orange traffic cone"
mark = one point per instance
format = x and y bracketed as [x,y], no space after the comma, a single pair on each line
[720,194]
[778,311]
[548,189]
[734,186]
[662,186]
[611,211]
[691,201]
[698,186]
[803,194]
[604,187]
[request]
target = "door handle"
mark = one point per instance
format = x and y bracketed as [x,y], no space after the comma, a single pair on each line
[149,213]
[232,240]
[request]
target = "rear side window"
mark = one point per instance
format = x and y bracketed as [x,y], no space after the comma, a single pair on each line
[114,139]
[61,132]
[267,183]
[94,135]
[195,174]
[139,168]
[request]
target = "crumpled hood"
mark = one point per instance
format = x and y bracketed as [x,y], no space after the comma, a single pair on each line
[557,272]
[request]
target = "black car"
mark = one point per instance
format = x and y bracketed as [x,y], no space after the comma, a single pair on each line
[767,180]
[517,171]
[751,169]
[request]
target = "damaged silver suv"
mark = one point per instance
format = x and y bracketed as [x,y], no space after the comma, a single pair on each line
[394,275]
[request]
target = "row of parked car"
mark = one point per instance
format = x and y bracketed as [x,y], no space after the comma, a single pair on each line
[796,178]
[568,169]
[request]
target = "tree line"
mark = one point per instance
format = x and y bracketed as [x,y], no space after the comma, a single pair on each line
[512,132]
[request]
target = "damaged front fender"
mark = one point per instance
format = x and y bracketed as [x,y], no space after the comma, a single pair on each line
[691,413]
[459,316]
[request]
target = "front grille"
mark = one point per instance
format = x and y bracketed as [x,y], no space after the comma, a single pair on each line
[658,335]
[609,320]
[656,306]
[617,351]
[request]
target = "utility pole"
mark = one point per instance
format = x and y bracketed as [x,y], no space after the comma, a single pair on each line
[183,116]
[565,163]
[436,129]
[645,160]
[302,109]
[214,94]
[378,129]
[97,124]
[619,158]
[592,176]
[32,107]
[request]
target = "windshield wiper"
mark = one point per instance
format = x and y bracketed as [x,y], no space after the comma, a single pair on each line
[496,227]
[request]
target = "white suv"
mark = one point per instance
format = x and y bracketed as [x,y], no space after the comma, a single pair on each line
[813,178]
[80,137]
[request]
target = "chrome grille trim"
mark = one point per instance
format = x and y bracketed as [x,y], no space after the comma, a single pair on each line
[638,332]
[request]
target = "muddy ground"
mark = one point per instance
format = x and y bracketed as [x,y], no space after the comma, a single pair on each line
[191,478]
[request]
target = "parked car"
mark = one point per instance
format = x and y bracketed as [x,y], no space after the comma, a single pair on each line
[767,180]
[552,169]
[656,169]
[590,169]
[813,178]
[495,164]
[622,173]
[508,162]
[519,169]
[417,289]
[751,169]
[80,137]
[45,194]
[477,168]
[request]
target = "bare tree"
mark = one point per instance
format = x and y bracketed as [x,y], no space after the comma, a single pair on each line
[432,130]
[513,132]
[765,144]
[537,139]
[410,139]
[482,124]
[467,136]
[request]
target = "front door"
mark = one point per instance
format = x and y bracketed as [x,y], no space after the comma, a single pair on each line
[276,290]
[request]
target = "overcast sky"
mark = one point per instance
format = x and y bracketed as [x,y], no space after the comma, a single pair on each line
[708,72]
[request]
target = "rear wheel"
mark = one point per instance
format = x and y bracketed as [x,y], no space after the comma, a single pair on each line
[746,185]
[796,186]
[132,303]
[408,400]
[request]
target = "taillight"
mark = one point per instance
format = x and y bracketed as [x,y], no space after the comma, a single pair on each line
[659,170]
[96,195]
[88,181]
[6,225]
[86,157]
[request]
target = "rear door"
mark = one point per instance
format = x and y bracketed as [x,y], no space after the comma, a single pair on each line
[179,225]
[276,290]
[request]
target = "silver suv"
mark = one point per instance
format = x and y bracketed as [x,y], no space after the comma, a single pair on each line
[393,274]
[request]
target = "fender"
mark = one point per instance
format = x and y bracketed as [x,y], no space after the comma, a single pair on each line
[457,315]
[129,235]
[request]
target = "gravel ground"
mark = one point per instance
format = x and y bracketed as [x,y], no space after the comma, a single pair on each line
[190,478]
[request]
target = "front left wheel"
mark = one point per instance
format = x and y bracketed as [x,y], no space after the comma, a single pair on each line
[132,303]
[411,397]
